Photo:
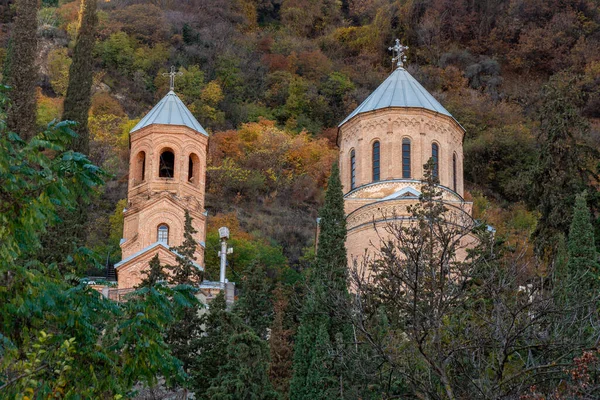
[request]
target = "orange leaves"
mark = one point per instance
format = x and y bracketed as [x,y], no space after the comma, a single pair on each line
[278,161]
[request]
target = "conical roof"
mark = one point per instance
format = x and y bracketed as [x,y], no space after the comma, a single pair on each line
[170,111]
[400,89]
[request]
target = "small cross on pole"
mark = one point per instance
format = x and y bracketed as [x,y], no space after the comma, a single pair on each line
[172,75]
[398,53]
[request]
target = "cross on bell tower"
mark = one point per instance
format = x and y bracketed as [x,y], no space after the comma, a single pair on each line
[171,76]
[398,53]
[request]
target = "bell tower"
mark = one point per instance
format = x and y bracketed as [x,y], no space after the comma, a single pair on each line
[167,172]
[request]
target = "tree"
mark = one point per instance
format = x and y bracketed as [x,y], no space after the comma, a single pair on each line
[583,257]
[484,325]
[58,338]
[280,345]
[211,346]
[244,373]
[79,90]
[183,337]
[326,306]
[186,272]
[254,305]
[22,76]
[562,168]
[154,275]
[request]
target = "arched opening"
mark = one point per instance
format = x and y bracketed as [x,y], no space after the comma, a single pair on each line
[406,158]
[163,234]
[166,164]
[376,163]
[435,153]
[140,168]
[352,170]
[193,169]
[454,168]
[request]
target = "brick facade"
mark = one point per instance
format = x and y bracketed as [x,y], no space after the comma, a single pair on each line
[153,201]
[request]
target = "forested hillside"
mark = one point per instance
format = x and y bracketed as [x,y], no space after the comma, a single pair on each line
[270,80]
[281,74]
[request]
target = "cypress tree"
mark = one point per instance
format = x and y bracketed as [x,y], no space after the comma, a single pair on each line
[183,337]
[583,256]
[281,350]
[244,374]
[326,306]
[154,274]
[185,272]
[254,305]
[79,91]
[22,71]
[562,166]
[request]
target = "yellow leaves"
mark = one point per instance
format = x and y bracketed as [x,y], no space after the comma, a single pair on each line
[48,108]
[212,93]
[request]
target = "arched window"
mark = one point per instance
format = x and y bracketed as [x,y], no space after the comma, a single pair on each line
[435,152]
[163,234]
[352,170]
[376,159]
[406,158]
[166,164]
[193,169]
[140,168]
[454,171]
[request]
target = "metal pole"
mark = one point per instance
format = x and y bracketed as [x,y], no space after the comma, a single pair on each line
[223,260]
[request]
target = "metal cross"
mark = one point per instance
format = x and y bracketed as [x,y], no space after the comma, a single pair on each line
[172,75]
[398,51]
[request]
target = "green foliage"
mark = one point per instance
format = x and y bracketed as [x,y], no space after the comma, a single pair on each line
[325,308]
[154,275]
[583,257]
[117,52]
[254,305]
[280,344]
[34,185]
[244,373]
[186,272]
[21,72]
[58,68]
[183,337]
[565,162]
[246,252]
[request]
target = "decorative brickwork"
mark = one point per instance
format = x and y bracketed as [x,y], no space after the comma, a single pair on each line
[167,175]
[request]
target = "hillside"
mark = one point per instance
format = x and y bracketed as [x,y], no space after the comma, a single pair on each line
[305,65]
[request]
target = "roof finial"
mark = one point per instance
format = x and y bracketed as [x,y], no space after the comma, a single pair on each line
[172,75]
[398,51]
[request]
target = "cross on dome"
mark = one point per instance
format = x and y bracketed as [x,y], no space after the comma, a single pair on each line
[172,75]
[398,53]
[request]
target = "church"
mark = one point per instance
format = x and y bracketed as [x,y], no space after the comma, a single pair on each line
[383,145]
[167,176]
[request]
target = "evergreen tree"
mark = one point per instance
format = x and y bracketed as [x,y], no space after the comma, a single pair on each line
[583,257]
[79,91]
[183,337]
[185,271]
[67,239]
[254,305]
[154,275]
[219,326]
[244,373]
[280,345]
[326,305]
[22,74]
[562,166]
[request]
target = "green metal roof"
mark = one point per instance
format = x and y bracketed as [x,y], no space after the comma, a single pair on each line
[170,111]
[400,89]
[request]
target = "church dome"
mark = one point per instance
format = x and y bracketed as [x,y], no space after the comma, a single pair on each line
[170,111]
[400,89]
